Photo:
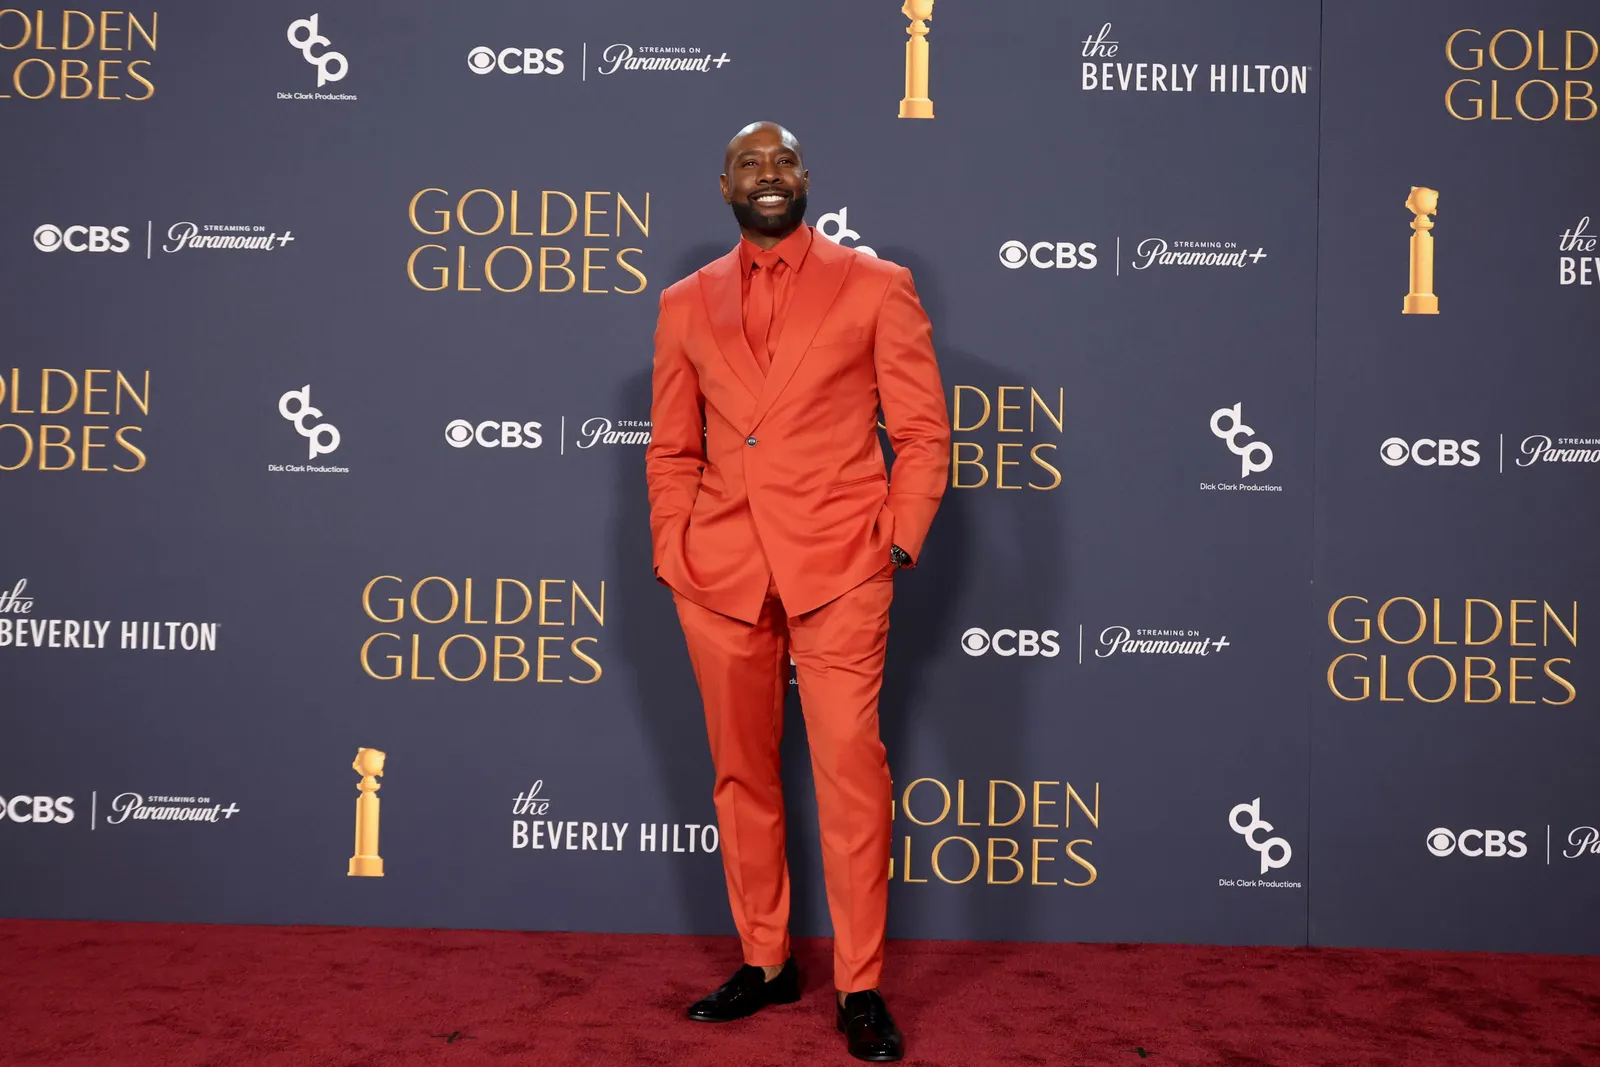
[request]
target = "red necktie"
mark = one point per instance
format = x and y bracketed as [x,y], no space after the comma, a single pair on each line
[758,316]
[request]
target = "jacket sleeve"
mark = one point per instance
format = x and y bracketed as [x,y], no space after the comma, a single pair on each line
[676,453]
[912,398]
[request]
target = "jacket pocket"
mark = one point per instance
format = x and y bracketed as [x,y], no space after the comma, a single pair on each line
[853,482]
[842,337]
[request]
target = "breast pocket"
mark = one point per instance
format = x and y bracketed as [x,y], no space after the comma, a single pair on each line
[858,336]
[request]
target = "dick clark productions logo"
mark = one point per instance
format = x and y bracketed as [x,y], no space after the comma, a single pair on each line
[1254,457]
[1264,846]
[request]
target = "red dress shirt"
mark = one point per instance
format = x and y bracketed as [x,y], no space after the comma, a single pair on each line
[784,261]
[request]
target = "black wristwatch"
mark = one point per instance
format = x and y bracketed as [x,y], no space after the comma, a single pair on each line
[899,557]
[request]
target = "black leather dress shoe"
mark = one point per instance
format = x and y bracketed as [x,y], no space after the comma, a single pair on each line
[746,993]
[866,1024]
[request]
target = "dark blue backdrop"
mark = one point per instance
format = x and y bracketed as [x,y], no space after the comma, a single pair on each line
[1152,237]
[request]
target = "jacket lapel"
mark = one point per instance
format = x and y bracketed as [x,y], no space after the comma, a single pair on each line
[816,287]
[719,285]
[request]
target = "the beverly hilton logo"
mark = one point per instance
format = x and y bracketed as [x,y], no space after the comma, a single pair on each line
[916,104]
[366,863]
[1420,300]
[1580,269]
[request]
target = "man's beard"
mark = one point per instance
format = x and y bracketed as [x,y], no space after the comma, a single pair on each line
[751,219]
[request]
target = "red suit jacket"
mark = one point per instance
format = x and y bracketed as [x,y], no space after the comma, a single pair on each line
[782,473]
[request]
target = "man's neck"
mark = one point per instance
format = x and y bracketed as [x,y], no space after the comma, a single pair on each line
[768,241]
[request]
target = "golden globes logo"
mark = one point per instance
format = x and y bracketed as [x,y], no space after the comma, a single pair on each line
[916,104]
[80,396]
[1401,627]
[579,264]
[431,651]
[1001,460]
[1421,299]
[1512,51]
[55,73]
[366,863]
[1001,841]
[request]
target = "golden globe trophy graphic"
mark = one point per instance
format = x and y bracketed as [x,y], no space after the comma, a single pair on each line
[366,863]
[916,104]
[1420,300]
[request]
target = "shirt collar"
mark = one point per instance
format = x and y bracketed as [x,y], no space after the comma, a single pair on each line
[792,250]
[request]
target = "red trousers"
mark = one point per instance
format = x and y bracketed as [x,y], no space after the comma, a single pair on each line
[743,669]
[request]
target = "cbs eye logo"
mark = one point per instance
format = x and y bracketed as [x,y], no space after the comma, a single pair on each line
[493,434]
[515,61]
[48,238]
[24,809]
[1025,643]
[1442,842]
[1430,452]
[1049,255]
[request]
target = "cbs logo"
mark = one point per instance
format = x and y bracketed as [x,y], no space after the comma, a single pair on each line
[1049,255]
[1442,842]
[1429,452]
[515,61]
[977,642]
[36,809]
[493,434]
[48,238]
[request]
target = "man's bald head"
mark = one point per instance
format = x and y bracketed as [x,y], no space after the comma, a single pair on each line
[759,133]
[765,182]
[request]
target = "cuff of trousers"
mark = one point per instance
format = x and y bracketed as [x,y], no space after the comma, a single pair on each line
[756,956]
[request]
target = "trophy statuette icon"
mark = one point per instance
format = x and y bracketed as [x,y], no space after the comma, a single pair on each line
[366,863]
[916,104]
[1421,300]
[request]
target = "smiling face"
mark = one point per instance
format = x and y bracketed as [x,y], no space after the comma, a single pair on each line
[764,182]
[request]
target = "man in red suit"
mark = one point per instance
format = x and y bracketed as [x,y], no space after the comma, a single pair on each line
[778,530]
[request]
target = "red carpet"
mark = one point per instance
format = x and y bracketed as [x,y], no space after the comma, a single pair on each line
[153,995]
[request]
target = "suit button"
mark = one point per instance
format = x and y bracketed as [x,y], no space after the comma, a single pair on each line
[751,441]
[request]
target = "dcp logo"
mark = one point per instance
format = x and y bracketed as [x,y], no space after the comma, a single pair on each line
[1049,255]
[515,61]
[1442,842]
[1265,846]
[493,434]
[1430,452]
[841,230]
[315,435]
[977,642]
[1254,457]
[36,809]
[48,238]
[307,39]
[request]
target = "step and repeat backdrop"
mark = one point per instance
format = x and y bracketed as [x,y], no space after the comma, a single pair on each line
[1254,610]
